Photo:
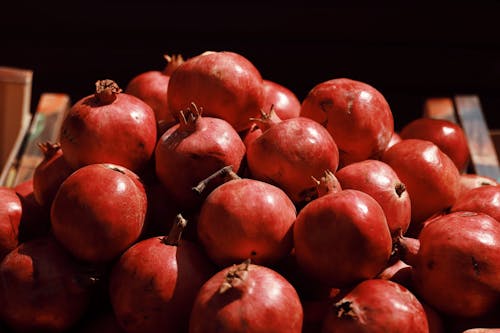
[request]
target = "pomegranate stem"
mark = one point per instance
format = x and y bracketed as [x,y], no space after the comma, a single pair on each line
[175,234]
[226,172]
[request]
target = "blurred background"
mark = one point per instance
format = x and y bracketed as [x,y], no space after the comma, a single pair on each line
[408,52]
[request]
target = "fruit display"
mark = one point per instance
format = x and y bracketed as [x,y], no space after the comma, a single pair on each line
[206,198]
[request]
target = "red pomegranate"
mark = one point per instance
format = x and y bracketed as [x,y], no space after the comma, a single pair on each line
[448,136]
[484,199]
[50,173]
[42,288]
[289,153]
[379,180]
[191,151]
[469,181]
[430,177]
[356,114]
[155,282]
[246,218]
[109,127]
[285,102]
[99,211]
[342,238]
[376,305]
[226,84]
[246,297]
[456,270]
[11,211]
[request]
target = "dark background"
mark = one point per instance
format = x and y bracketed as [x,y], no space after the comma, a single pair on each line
[408,52]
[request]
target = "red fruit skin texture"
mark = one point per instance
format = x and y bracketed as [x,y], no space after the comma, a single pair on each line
[448,136]
[356,114]
[99,211]
[246,218]
[49,175]
[456,268]
[122,133]
[152,87]
[430,177]
[285,102]
[225,84]
[264,302]
[153,285]
[39,288]
[469,181]
[342,238]
[11,211]
[379,180]
[184,157]
[484,199]
[289,153]
[377,306]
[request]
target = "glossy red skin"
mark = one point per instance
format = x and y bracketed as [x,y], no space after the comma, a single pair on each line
[11,211]
[430,176]
[48,176]
[35,219]
[378,306]
[434,319]
[395,138]
[379,180]
[356,114]
[263,303]
[122,133]
[456,268]
[186,156]
[289,153]
[448,136]
[152,88]
[342,238]
[285,102]
[469,181]
[39,288]
[225,84]
[246,218]
[153,285]
[484,199]
[99,212]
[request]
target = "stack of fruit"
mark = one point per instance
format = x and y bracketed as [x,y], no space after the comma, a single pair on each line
[205,198]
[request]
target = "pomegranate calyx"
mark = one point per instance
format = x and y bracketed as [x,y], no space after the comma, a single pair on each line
[173,62]
[226,172]
[189,117]
[267,119]
[106,91]
[344,309]
[49,149]
[400,188]
[235,276]
[326,184]
[175,234]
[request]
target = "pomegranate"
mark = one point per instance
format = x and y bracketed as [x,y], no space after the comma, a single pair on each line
[468,181]
[42,288]
[11,211]
[155,282]
[342,238]
[379,180]
[399,272]
[448,136]
[395,138]
[289,153]
[285,102]
[49,173]
[246,297]
[192,150]
[456,267]
[246,218]
[484,199]
[109,127]
[152,86]
[266,120]
[35,219]
[377,305]
[430,177]
[356,114]
[99,211]
[225,84]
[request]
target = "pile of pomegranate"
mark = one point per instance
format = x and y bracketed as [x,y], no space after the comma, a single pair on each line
[205,198]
